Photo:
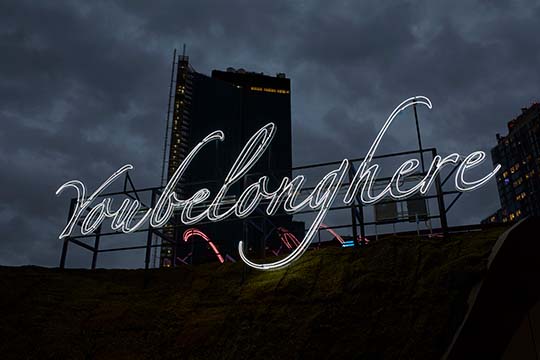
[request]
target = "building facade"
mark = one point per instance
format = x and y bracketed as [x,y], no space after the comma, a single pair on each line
[239,103]
[518,181]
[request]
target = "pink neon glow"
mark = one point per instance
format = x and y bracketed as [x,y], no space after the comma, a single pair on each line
[338,237]
[331,231]
[287,237]
[196,232]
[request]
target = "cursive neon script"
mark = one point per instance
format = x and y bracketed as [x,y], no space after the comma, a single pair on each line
[125,217]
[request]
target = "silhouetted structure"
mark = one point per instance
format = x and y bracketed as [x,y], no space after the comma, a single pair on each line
[239,103]
[518,181]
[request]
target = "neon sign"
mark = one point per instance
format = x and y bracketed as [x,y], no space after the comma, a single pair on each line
[258,194]
[196,232]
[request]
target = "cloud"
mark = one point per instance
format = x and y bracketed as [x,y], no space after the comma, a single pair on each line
[83,87]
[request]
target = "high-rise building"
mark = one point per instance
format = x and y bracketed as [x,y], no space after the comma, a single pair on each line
[239,103]
[518,180]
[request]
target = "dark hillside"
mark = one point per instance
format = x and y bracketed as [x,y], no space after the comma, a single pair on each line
[400,297]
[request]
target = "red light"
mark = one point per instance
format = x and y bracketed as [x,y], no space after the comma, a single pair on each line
[196,232]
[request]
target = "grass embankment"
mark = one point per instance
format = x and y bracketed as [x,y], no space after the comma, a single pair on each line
[397,298]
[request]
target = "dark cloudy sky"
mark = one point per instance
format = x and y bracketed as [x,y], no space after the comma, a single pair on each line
[83,88]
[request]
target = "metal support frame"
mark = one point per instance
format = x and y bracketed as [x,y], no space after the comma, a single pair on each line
[96,248]
[357,207]
[258,221]
[440,199]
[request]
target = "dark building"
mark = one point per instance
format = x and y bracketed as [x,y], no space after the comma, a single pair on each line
[518,180]
[239,103]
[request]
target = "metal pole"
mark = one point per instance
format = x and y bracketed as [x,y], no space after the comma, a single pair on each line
[175,243]
[148,249]
[64,253]
[246,247]
[353,212]
[146,280]
[96,248]
[362,227]
[245,235]
[263,239]
[419,138]
[66,240]
[354,230]
[149,237]
[146,276]
[440,200]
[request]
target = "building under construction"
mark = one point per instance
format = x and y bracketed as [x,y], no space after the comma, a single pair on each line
[239,103]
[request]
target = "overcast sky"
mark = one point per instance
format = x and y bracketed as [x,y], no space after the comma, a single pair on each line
[84,85]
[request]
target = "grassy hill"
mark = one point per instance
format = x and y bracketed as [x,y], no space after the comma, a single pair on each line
[400,297]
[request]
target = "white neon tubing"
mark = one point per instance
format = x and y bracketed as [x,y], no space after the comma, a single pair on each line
[472,160]
[286,195]
[249,155]
[83,203]
[168,197]
[197,198]
[372,171]
[335,177]
[94,218]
